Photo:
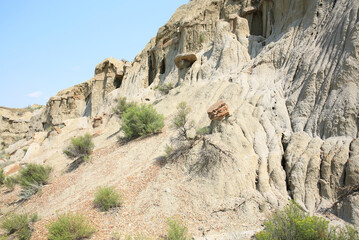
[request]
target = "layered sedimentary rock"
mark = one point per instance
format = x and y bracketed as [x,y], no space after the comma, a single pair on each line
[289,69]
[218,111]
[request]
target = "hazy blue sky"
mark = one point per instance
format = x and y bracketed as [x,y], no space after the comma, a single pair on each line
[50,45]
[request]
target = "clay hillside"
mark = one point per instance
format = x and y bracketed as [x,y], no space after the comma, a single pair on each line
[269,96]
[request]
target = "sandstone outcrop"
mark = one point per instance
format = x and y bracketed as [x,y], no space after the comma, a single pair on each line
[185,60]
[289,71]
[218,111]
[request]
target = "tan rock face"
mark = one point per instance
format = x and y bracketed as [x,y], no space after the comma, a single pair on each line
[218,111]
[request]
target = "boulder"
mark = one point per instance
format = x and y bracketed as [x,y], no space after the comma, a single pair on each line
[16,146]
[218,111]
[12,169]
[97,121]
[58,130]
[18,155]
[185,60]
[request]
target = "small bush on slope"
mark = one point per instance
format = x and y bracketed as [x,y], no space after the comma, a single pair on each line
[80,147]
[122,106]
[34,174]
[176,230]
[10,182]
[106,198]
[141,120]
[2,177]
[293,223]
[181,121]
[165,88]
[32,178]
[19,224]
[70,226]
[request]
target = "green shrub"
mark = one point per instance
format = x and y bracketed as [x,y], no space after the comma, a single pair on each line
[348,232]
[141,120]
[10,182]
[80,147]
[70,226]
[106,198]
[201,38]
[31,178]
[34,174]
[2,177]
[122,106]
[181,121]
[294,223]
[203,131]
[176,230]
[19,224]
[168,150]
[165,88]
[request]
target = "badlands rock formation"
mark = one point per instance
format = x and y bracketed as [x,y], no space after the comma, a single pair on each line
[289,72]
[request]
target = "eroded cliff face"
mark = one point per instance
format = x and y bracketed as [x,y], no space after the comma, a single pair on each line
[288,69]
[289,72]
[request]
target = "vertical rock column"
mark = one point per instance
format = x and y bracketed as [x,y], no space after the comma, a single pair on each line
[97,93]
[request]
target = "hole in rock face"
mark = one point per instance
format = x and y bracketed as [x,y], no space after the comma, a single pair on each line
[152,70]
[256,25]
[118,81]
[163,66]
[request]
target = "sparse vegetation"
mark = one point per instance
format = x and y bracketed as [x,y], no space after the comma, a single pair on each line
[80,148]
[10,182]
[70,226]
[19,225]
[294,223]
[141,120]
[180,144]
[2,177]
[4,155]
[176,230]
[168,150]
[181,121]
[122,106]
[203,131]
[201,38]
[165,88]
[106,198]
[34,174]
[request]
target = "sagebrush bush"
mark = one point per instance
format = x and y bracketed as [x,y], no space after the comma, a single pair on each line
[34,174]
[32,178]
[294,223]
[10,182]
[177,230]
[106,198]
[141,120]
[164,88]
[19,224]
[122,106]
[203,131]
[80,147]
[2,177]
[70,226]
[181,121]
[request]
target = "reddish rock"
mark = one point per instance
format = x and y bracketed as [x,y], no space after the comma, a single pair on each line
[12,169]
[218,111]
[97,121]
[58,130]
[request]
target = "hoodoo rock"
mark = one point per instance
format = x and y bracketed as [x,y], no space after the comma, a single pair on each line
[218,111]
[185,60]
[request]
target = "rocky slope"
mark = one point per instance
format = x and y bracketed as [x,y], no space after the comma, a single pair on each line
[288,70]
